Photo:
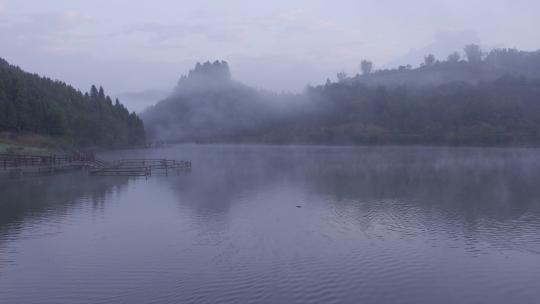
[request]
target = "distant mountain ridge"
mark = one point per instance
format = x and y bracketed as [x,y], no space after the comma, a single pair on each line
[496,64]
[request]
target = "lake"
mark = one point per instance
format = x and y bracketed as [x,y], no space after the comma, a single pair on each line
[280,224]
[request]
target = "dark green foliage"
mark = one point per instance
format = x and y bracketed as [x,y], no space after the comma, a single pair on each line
[29,103]
[505,112]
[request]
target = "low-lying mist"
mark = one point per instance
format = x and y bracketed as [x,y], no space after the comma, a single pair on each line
[476,100]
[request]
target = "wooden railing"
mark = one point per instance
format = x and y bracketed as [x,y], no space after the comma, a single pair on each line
[143,166]
[133,171]
[95,166]
[17,161]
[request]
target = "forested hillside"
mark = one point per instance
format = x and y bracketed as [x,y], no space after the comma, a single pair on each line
[504,112]
[33,104]
[482,99]
[472,66]
[208,104]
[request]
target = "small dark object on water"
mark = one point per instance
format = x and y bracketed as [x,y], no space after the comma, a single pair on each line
[298,206]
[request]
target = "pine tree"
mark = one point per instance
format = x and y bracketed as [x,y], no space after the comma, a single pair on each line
[101,94]
[93,92]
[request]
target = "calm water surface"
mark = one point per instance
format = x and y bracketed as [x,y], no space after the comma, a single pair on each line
[375,225]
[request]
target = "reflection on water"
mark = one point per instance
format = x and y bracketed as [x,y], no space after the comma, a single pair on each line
[35,198]
[375,225]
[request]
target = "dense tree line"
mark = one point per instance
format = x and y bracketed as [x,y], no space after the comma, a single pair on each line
[474,99]
[30,103]
[503,112]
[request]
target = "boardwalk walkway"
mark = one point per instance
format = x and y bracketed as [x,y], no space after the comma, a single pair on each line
[142,167]
[34,164]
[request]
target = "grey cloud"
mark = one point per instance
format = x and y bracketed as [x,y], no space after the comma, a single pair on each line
[3,7]
[50,32]
[45,22]
[162,32]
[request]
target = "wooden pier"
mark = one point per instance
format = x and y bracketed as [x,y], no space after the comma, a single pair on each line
[33,164]
[22,161]
[143,167]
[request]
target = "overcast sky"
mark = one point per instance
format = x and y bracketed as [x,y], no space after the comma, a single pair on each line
[132,46]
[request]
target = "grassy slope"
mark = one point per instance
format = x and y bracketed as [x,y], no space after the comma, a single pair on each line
[27,143]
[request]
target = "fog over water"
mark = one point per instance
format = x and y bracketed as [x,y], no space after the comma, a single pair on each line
[281,224]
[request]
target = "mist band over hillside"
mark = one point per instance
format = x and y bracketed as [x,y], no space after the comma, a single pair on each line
[480,99]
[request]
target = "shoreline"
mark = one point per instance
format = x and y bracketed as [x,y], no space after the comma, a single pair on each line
[419,145]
